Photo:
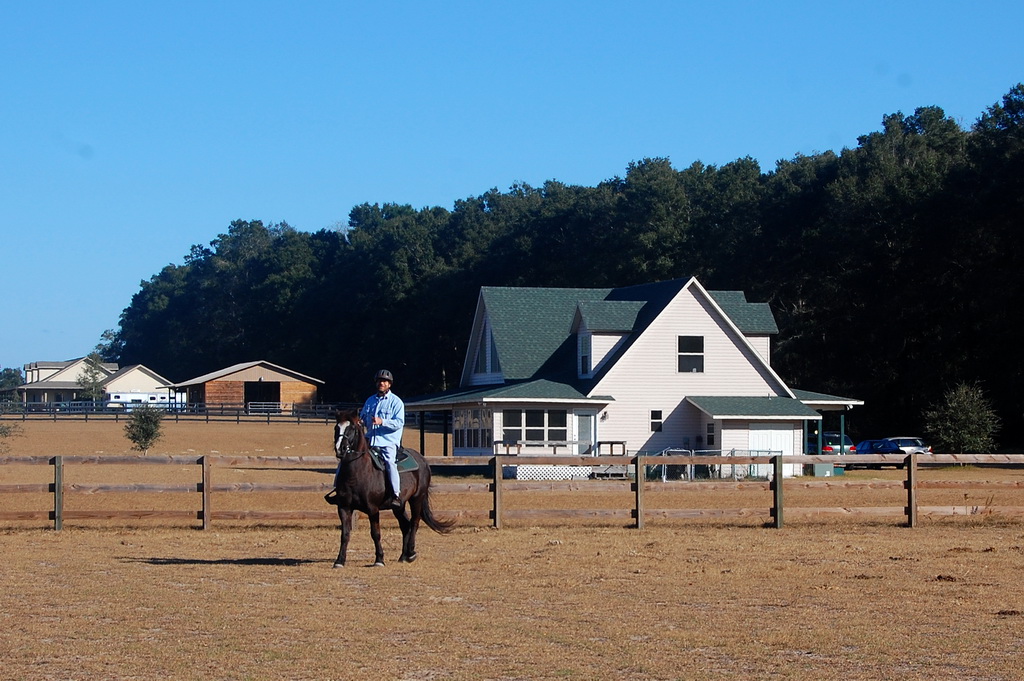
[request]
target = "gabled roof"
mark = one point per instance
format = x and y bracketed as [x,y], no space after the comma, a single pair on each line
[533,332]
[725,408]
[64,378]
[234,369]
[530,325]
[136,368]
[750,318]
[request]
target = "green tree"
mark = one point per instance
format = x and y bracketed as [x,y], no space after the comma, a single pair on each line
[9,380]
[963,422]
[91,379]
[110,346]
[144,427]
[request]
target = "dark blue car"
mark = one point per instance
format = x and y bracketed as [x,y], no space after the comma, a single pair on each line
[875,447]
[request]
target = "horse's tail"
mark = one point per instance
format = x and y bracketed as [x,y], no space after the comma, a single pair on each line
[439,525]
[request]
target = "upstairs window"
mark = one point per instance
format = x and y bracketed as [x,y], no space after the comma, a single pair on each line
[691,354]
[656,421]
[585,353]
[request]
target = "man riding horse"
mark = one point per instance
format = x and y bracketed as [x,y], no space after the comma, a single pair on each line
[358,483]
[384,416]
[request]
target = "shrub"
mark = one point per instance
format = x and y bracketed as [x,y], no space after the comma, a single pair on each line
[963,422]
[143,429]
[6,431]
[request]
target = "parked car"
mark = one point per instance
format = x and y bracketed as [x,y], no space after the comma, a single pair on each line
[876,447]
[911,445]
[830,444]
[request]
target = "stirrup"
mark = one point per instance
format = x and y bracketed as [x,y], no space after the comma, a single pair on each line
[332,497]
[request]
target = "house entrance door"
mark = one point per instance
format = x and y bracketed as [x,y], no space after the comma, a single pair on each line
[586,432]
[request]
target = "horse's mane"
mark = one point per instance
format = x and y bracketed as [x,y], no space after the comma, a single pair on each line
[350,415]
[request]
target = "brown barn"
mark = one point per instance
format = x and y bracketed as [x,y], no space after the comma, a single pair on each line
[257,385]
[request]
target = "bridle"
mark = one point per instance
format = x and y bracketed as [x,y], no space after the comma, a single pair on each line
[346,440]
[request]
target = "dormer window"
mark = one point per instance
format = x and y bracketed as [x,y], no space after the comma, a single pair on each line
[486,353]
[586,350]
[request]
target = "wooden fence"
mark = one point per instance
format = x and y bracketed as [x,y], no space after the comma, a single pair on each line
[499,488]
[208,412]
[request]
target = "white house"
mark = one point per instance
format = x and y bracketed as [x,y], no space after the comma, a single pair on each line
[668,365]
[59,381]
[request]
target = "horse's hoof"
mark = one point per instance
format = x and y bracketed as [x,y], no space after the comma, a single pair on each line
[407,559]
[379,563]
[338,565]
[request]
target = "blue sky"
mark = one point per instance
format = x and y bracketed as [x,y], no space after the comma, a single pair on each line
[130,131]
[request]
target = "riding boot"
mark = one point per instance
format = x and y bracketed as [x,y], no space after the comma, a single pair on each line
[332,497]
[391,499]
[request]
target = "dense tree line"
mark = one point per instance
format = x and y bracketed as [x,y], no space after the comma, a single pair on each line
[893,268]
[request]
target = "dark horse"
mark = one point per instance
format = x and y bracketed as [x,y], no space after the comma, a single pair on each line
[360,487]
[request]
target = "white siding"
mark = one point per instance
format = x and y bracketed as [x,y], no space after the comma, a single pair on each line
[136,381]
[72,372]
[763,346]
[646,376]
[602,346]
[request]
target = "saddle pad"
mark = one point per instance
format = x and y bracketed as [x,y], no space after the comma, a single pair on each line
[404,460]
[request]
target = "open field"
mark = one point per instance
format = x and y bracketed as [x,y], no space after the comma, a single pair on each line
[816,600]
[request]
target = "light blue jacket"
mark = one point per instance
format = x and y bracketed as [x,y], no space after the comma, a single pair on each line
[391,410]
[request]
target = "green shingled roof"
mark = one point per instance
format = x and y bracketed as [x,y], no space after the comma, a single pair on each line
[753,407]
[752,318]
[610,315]
[530,325]
[529,390]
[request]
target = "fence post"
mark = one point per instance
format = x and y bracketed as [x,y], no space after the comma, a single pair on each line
[58,492]
[777,488]
[639,478]
[911,483]
[207,489]
[496,462]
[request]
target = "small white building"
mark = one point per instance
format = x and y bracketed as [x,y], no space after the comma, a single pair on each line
[47,382]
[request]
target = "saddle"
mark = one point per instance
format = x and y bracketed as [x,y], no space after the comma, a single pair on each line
[403,459]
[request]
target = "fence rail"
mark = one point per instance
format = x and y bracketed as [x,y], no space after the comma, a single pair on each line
[210,466]
[269,412]
[237,412]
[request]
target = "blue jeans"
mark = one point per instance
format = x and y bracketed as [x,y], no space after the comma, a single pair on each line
[389,453]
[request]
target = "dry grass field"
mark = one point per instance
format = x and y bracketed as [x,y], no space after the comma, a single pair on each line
[817,600]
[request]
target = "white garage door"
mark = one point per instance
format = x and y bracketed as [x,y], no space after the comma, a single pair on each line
[772,437]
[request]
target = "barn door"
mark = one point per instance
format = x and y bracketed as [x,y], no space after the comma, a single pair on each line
[772,437]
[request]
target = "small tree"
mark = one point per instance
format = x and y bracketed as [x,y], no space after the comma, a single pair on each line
[92,377]
[963,422]
[143,429]
[6,431]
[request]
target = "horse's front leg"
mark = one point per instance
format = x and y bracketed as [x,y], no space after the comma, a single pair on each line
[378,558]
[345,516]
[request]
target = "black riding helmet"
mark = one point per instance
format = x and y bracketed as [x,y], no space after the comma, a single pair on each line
[384,375]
